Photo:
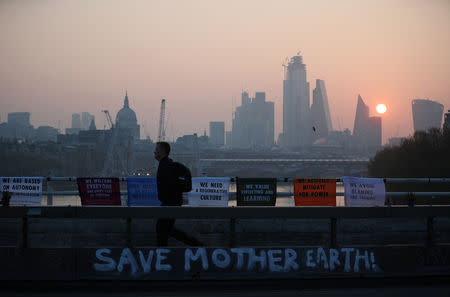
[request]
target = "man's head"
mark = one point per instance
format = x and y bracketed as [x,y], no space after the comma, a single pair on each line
[162,150]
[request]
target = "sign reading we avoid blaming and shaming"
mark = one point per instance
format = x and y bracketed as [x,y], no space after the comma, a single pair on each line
[24,190]
[209,191]
[364,191]
[315,192]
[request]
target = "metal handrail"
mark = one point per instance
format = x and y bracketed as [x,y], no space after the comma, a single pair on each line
[289,179]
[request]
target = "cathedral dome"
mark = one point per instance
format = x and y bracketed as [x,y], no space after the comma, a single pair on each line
[126,117]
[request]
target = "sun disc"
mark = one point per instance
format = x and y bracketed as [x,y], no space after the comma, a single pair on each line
[381,108]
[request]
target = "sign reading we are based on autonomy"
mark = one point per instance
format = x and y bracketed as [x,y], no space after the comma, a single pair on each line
[209,191]
[315,192]
[24,190]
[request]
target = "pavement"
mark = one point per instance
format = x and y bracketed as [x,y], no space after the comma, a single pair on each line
[410,287]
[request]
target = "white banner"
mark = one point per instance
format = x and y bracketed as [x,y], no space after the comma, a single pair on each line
[24,190]
[364,191]
[209,191]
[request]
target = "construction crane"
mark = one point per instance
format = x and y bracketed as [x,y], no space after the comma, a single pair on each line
[162,130]
[108,118]
[118,152]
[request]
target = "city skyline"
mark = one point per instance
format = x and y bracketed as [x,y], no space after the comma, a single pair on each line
[76,56]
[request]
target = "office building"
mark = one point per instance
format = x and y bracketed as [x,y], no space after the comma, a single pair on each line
[76,121]
[320,112]
[427,114]
[253,123]
[86,119]
[217,133]
[19,126]
[228,138]
[297,129]
[367,131]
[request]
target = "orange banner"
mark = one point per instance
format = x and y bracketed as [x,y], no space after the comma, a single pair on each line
[315,192]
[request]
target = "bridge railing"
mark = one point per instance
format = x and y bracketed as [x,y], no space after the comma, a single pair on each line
[330,226]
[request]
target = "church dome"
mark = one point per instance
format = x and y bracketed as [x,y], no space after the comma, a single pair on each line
[126,117]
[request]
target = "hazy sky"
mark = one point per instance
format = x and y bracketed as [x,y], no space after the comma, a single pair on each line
[60,57]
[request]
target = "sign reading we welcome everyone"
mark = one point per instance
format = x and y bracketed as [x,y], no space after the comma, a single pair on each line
[315,192]
[24,190]
[364,191]
[99,190]
[209,191]
[256,191]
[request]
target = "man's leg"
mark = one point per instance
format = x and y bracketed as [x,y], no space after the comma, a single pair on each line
[163,229]
[183,237]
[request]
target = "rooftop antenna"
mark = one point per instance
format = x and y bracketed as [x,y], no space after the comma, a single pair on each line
[162,130]
[339,123]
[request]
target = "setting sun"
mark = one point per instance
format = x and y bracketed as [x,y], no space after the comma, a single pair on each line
[381,108]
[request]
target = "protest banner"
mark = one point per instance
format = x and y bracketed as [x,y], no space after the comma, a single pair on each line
[99,190]
[142,191]
[315,192]
[364,191]
[24,190]
[256,191]
[209,191]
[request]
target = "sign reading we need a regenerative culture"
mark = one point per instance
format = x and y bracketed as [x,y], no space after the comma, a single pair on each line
[364,191]
[209,191]
[315,192]
[24,190]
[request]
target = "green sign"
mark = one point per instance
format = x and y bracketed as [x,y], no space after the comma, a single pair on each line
[256,191]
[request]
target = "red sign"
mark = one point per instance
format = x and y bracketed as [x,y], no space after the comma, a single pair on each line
[315,192]
[99,190]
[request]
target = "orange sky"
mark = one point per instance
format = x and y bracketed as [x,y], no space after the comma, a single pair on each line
[60,57]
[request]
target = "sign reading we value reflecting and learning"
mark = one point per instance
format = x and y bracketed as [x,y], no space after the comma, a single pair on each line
[256,191]
[315,192]
[209,191]
[99,191]
[24,190]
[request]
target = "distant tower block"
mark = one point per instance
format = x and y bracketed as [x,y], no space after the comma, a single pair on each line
[320,111]
[217,133]
[427,114]
[296,109]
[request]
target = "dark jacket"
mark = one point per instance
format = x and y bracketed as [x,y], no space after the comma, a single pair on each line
[166,184]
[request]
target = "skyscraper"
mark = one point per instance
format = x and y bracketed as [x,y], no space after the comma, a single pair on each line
[86,119]
[320,111]
[426,114]
[217,133]
[367,131]
[362,114]
[296,111]
[253,122]
[76,121]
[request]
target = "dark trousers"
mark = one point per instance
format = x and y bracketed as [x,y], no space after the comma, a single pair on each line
[166,228]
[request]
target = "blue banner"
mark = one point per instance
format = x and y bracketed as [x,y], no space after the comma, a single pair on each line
[142,191]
